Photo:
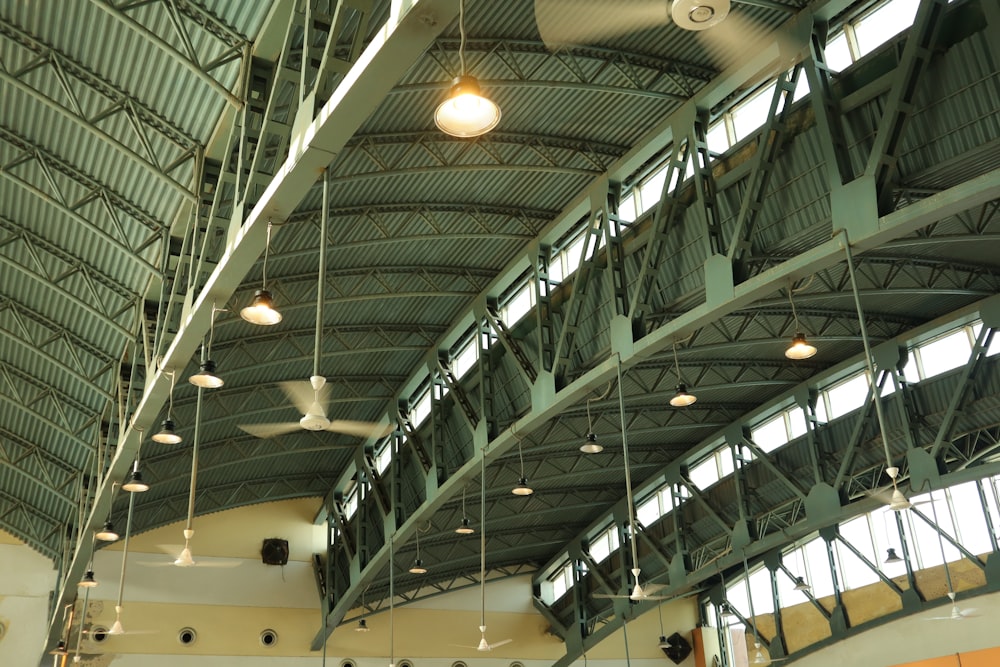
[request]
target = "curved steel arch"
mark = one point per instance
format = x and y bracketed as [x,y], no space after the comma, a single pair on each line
[161,514]
[95,187]
[17,403]
[354,177]
[576,145]
[62,367]
[22,311]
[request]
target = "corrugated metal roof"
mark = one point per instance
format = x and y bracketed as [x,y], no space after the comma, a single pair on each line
[422,226]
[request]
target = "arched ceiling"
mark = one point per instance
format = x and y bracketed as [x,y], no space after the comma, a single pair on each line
[145,148]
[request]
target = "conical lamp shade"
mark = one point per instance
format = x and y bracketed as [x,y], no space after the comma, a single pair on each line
[466,113]
[206,377]
[261,310]
[166,435]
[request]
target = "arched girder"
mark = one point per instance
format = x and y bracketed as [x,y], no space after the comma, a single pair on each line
[31,348]
[154,465]
[160,512]
[426,332]
[496,84]
[34,243]
[20,520]
[227,393]
[23,401]
[129,254]
[94,187]
[71,300]
[492,167]
[257,367]
[42,474]
[504,49]
[63,64]
[236,46]
[74,117]
[54,330]
[543,146]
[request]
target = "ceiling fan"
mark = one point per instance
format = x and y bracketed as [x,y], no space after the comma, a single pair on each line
[639,592]
[956,613]
[562,23]
[311,398]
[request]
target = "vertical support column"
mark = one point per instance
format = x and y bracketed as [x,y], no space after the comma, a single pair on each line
[743,532]
[777,647]
[838,616]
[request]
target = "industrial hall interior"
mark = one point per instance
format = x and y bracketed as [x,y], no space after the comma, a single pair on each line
[499,333]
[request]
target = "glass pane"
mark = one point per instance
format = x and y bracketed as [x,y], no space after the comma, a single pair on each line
[973,532]
[884,23]
[725,458]
[466,359]
[848,395]
[771,434]
[717,138]
[705,474]
[626,208]
[838,53]
[818,567]
[797,422]
[518,306]
[648,512]
[651,189]
[855,572]
[944,354]
[801,87]
[750,115]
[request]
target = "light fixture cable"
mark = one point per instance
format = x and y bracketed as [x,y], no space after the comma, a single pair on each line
[461,35]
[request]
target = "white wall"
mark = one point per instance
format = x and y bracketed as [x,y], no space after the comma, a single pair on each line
[26,578]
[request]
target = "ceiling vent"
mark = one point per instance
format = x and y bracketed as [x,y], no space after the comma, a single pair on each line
[274,551]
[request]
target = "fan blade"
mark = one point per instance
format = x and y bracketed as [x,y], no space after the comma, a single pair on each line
[270,430]
[500,643]
[566,22]
[360,429]
[303,396]
[729,41]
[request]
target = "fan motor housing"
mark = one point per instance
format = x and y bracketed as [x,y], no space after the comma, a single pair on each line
[274,551]
[698,14]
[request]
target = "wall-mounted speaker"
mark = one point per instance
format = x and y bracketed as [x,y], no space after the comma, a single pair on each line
[274,551]
[675,647]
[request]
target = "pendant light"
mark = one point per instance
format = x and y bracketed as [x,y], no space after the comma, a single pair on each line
[261,310]
[418,565]
[892,557]
[800,581]
[107,533]
[590,445]
[362,623]
[88,580]
[166,434]
[522,488]
[681,398]
[465,112]
[206,377]
[800,347]
[133,483]
[465,527]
